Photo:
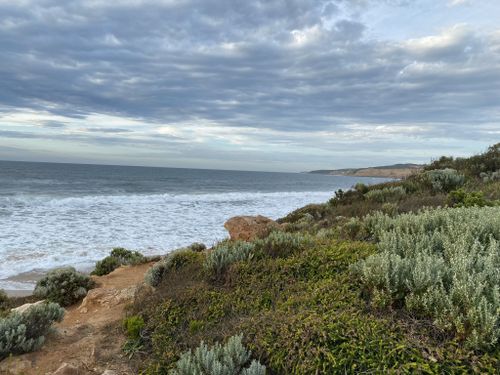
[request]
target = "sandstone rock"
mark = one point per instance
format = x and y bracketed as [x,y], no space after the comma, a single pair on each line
[67,369]
[21,309]
[14,366]
[106,297]
[248,228]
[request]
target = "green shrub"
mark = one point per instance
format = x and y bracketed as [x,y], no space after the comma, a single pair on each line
[127,256]
[361,188]
[352,228]
[282,244]
[387,194]
[173,261]
[444,180]
[133,326]
[461,198]
[64,286]
[232,358]
[197,247]
[390,209]
[222,256]
[487,162]
[106,266]
[118,257]
[22,333]
[441,264]
[4,299]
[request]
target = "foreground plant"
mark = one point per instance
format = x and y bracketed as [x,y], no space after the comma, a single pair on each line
[64,286]
[25,332]
[229,359]
[118,257]
[222,256]
[176,259]
[441,264]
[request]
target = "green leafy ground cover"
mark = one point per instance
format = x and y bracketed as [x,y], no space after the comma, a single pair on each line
[327,297]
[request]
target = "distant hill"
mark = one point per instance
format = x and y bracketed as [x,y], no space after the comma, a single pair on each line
[389,171]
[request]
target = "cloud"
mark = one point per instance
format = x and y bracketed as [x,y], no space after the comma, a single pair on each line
[227,74]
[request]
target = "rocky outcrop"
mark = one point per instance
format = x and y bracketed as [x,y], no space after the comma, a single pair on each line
[106,297]
[67,369]
[248,228]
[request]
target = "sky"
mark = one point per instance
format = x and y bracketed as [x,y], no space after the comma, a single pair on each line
[270,85]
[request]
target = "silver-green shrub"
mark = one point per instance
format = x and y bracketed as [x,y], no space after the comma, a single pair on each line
[282,244]
[173,260]
[387,194]
[25,332]
[227,253]
[64,286]
[443,264]
[230,359]
[490,176]
[444,180]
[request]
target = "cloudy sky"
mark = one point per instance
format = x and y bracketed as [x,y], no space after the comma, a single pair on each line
[285,85]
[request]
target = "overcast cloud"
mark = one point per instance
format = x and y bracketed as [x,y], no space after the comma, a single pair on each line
[267,85]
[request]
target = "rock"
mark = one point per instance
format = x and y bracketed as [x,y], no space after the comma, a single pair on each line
[106,297]
[109,372]
[67,369]
[14,366]
[248,228]
[21,309]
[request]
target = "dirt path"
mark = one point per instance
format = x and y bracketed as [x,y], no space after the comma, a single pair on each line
[90,336]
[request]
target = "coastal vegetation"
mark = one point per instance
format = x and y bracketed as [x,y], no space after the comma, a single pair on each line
[22,332]
[218,360]
[399,277]
[64,286]
[118,257]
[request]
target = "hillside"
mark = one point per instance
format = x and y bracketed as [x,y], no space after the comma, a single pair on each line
[388,171]
[400,277]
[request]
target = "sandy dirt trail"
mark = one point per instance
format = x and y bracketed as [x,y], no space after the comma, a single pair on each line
[90,336]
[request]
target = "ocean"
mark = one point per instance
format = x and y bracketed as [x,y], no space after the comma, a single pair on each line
[54,215]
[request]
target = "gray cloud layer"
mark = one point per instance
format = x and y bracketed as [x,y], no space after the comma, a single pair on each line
[287,66]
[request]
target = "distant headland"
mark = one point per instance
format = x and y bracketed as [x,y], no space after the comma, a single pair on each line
[387,171]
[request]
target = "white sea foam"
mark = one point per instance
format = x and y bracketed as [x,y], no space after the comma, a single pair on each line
[40,233]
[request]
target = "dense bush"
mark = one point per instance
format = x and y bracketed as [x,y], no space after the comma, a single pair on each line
[22,333]
[172,261]
[64,286]
[222,256]
[490,176]
[118,257]
[197,246]
[442,264]
[444,180]
[387,194]
[230,359]
[486,162]
[361,188]
[353,228]
[282,244]
[461,198]
[4,299]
